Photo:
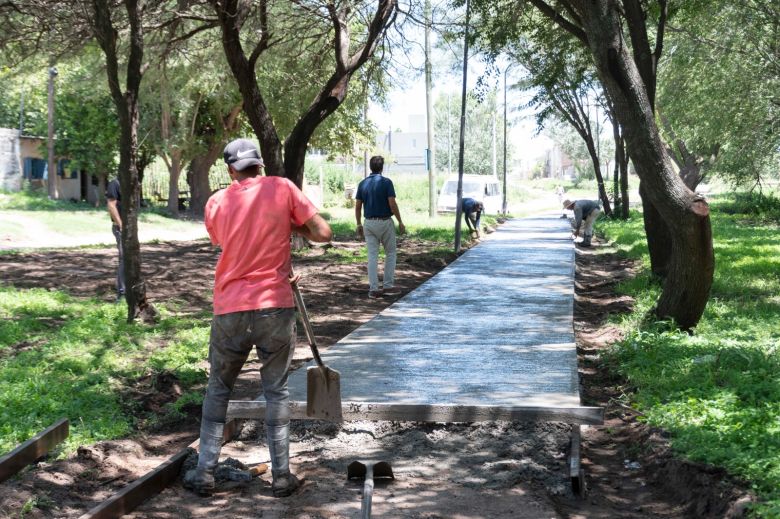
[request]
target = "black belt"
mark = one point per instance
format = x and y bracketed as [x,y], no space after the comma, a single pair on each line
[379,218]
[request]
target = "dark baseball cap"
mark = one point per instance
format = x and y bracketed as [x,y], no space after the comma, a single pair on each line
[241,154]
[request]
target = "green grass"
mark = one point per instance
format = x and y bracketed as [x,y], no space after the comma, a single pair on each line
[38,200]
[28,212]
[419,226]
[62,356]
[717,391]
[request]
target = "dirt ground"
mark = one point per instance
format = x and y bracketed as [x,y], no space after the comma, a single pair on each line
[484,470]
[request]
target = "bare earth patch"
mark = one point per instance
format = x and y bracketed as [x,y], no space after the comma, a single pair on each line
[485,470]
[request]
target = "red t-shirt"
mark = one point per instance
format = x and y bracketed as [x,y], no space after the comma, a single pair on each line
[251,220]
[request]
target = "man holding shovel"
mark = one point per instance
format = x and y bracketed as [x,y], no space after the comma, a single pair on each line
[251,220]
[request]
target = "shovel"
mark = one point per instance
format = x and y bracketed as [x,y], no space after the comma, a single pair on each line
[368,471]
[323,385]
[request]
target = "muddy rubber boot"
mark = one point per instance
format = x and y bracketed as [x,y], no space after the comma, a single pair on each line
[284,483]
[585,241]
[201,479]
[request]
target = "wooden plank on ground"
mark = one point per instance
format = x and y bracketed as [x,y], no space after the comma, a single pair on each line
[139,490]
[33,449]
[154,482]
[254,409]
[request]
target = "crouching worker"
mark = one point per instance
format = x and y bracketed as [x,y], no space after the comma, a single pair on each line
[472,213]
[251,221]
[585,214]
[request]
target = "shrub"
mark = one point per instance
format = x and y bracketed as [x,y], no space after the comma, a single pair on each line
[759,205]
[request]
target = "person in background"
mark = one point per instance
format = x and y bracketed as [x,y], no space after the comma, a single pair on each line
[472,212]
[560,191]
[114,203]
[585,214]
[375,200]
[252,220]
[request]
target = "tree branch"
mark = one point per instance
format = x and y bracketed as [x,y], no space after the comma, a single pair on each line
[659,37]
[262,45]
[637,29]
[341,39]
[550,12]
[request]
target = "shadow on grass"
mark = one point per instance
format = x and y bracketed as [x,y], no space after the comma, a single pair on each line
[716,391]
[82,359]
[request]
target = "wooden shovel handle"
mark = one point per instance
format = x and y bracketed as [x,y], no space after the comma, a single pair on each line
[368,493]
[306,324]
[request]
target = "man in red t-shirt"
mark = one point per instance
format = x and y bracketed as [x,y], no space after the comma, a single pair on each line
[252,221]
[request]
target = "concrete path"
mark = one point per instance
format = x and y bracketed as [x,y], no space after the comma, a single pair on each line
[489,337]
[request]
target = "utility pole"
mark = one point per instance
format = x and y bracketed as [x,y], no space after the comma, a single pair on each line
[430,151]
[52,168]
[503,204]
[365,152]
[494,168]
[461,146]
[449,138]
[18,143]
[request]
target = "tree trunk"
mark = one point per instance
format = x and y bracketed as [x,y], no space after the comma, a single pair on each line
[616,172]
[690,164]
[244,73]
[691,175]
[102,183]
[137,303]
[659,240]
[624,212]
[198,177]
[142,161]
[174,172]
[594,157]
[686,216]
[621,173]
[200,189]
[127,110]
[289,162]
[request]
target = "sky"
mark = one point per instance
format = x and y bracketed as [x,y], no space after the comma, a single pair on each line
[410,101]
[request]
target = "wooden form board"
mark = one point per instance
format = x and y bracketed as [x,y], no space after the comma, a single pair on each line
[33,449]
[255,410]
[151,484]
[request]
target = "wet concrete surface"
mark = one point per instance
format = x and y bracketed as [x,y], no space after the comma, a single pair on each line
[494,328]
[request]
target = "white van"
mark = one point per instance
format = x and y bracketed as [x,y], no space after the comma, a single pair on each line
[484,188]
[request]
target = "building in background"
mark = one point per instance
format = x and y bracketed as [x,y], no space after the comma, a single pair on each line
[23,163]
[558,165]
[405,151]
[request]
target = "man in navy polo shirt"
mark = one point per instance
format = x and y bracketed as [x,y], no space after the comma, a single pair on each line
[114,202]
[376,195]
[472,212]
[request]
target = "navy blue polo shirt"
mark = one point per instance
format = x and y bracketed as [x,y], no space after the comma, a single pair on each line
[469,205]
[374,191]
[113,192]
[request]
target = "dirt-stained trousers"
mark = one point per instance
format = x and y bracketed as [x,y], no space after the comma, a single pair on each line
[272,332]
[120,272]
[587,225]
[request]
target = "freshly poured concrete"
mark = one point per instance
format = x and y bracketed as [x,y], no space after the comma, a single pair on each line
[489,334]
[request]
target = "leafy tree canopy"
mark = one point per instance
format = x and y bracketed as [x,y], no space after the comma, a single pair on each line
[85,119]
[484,123]
[719,84]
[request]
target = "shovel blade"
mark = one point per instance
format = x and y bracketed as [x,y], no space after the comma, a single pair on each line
[356,470]
[323,394]
[383,470]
